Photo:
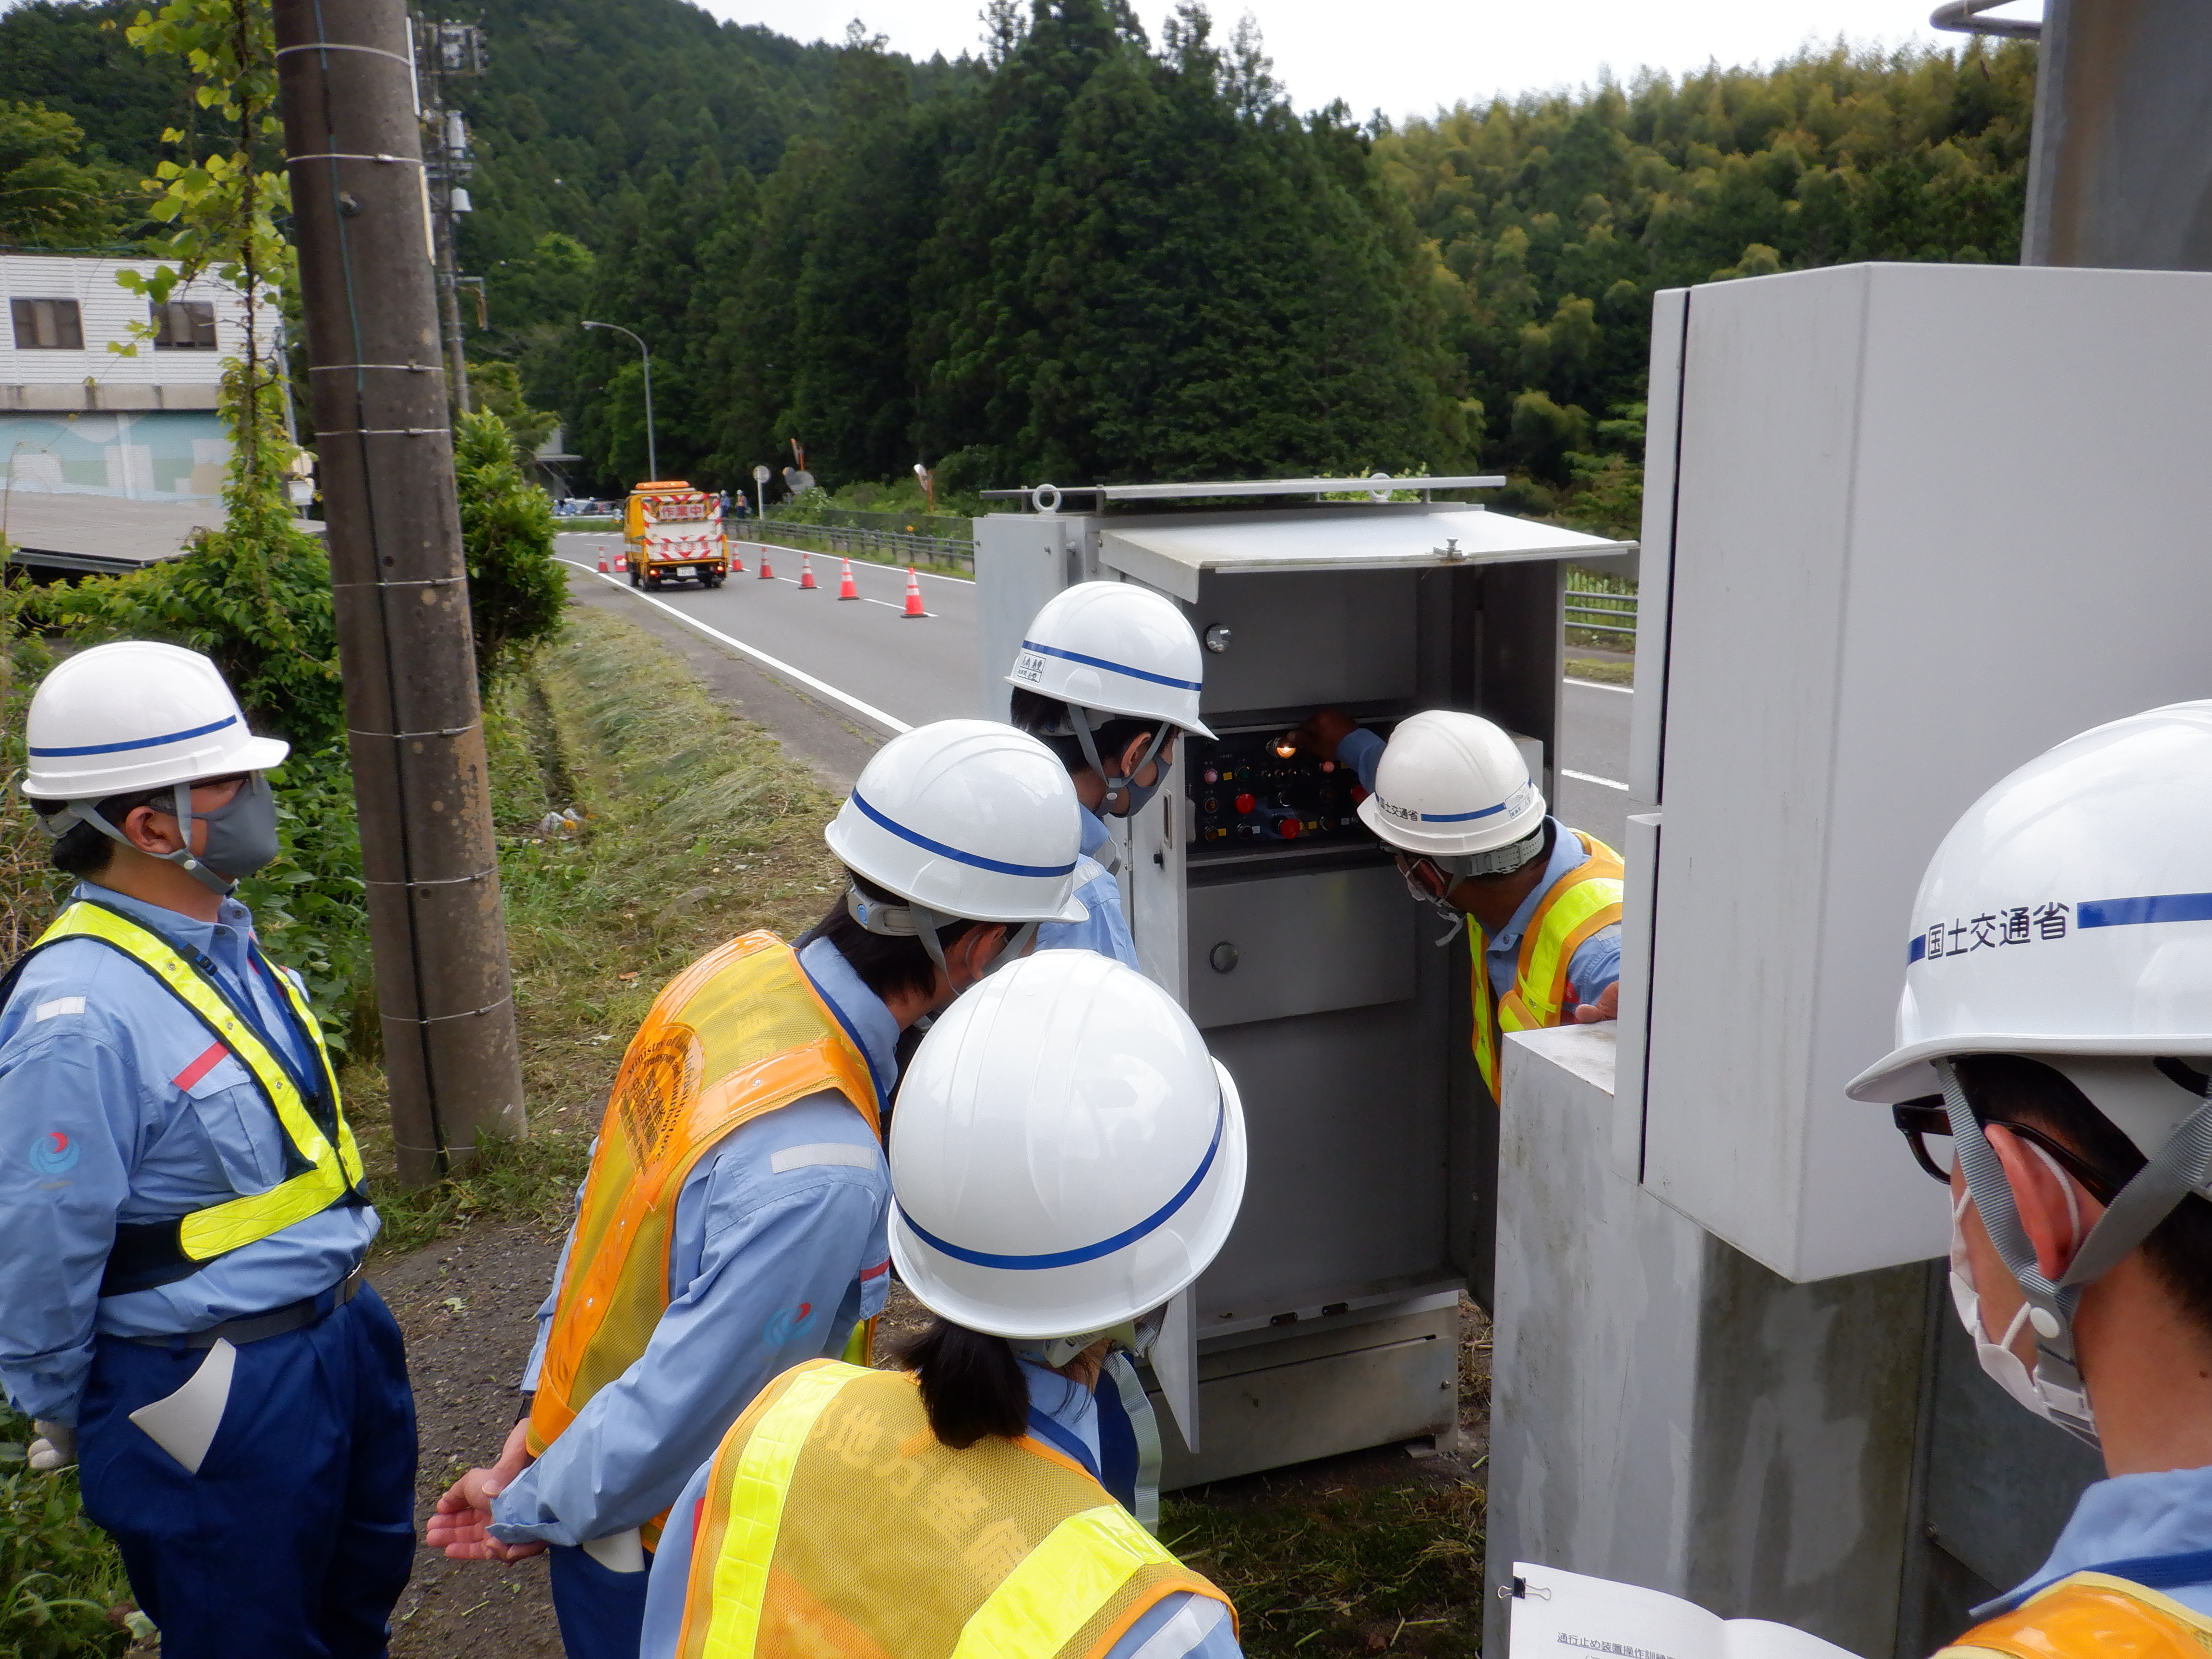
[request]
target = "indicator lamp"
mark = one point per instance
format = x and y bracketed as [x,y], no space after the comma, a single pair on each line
[1286,747]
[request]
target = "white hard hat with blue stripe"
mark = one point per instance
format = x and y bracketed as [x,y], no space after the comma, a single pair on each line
[1451,784]
[1115,649]
[133,715]
[969,819]
[1066,1156]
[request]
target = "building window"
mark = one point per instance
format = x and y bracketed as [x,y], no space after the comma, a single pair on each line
[184,325]
[46,326]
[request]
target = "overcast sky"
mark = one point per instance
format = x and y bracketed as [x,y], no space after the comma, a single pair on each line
[1411,57]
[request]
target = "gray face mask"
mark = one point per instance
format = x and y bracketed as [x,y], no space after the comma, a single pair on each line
[241,834]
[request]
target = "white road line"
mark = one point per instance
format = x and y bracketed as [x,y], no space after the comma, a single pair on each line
[1599,685]
[818,588]
[865,710]
[1591,777]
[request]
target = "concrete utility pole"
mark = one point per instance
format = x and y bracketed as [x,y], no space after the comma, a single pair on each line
[386,448]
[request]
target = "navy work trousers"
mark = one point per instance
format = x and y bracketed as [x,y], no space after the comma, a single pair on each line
[296,1537]
[602,1612]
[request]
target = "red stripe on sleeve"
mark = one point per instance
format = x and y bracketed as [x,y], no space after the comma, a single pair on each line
[877,1271]
[215,1055]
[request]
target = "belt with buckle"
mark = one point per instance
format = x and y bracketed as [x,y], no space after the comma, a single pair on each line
[292,1316]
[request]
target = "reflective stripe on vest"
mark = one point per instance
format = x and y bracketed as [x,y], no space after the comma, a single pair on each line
[2090,1614]
[836,1525]
[739,1034]
[330,1174]
[1578,906]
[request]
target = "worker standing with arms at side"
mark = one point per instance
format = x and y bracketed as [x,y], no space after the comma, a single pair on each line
[2053,1043]
[1066,1156]
[1451,796]
[1107,674]
[182,1216]
[732,1223]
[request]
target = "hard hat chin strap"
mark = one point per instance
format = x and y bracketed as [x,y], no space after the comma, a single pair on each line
[88,811]
[912,920]
[2182,1166]
[1081,718]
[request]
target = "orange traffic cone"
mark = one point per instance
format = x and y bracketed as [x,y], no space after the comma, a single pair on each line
[913,594]
[603,560]
[622,563]
[807,571]
[845,588]
[766,574]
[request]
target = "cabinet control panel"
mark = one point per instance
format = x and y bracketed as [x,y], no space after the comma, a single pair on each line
[1246,794]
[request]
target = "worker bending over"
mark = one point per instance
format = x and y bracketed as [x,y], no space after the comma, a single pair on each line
[2052,1046]
[182,1216]
[1065,1157]
[733,1221]
[1107,674]
[1452,797]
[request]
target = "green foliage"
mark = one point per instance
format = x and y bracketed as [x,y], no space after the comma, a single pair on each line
[74,56]
[48,197]
[516,589]
[496,386]
[1556,217]
[61,1588]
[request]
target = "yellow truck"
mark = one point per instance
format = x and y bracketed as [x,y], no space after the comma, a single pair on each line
[672,532]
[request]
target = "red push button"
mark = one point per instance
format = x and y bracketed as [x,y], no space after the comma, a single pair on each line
[1245,802]
[1290,828]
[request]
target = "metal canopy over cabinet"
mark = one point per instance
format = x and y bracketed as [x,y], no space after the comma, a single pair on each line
[1331,1319]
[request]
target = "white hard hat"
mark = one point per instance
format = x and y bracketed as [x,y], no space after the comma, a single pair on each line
[2068,912]
[969,818]
[1451,784]
[1114,648]
[137,715]
[1066,1155]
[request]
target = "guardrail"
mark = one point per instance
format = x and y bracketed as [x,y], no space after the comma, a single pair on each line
[905,547]
[1601,611]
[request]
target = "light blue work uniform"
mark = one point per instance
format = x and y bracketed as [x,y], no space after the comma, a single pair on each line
[1180,1626]
[2125,1520]
[1106,930]
[777,1250]
[1594,966]
[117,1106]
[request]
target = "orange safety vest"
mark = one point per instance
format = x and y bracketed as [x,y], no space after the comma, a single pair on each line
[739,1033]
[1578,904]
[2090,1616]
[835,1525]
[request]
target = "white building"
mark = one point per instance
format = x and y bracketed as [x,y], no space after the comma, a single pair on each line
[77,417]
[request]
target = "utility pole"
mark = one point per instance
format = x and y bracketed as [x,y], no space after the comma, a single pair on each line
[385,446]
[448,50]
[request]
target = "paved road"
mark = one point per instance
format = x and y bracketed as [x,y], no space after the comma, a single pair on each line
[892,671]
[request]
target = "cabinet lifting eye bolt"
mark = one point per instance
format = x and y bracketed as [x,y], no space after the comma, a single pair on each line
[1451,550]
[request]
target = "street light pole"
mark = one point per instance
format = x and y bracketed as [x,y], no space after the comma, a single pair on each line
[651,455]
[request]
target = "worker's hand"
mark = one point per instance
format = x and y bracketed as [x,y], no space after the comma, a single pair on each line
[458,1525]
[1322,732]
[1607,1006]
[54,1448]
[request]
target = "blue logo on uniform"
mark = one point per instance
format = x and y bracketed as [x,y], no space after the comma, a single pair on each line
[53,1153]
[789,1325]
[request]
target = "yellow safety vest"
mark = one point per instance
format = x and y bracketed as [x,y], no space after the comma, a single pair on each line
[321,1145]
[2090,1616]
[835,1525]
[739,1034]
[1579,903]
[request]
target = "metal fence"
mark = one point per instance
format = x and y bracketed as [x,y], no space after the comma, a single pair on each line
[902,546]
[1603,611]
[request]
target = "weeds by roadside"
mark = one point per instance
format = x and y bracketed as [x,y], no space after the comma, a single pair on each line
[1358,1571]
[1603,669]
[697,827]
[62,1589]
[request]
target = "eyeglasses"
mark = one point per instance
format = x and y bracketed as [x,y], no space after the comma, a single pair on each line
[1925,1123]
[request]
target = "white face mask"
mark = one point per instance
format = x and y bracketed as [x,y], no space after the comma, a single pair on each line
[1997,1360]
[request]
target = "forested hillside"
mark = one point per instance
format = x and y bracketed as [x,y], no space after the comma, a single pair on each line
[1082,253]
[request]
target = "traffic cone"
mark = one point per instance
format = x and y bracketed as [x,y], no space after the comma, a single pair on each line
[913,595]
[737,559]
[845,588]
[603,560]
[807,571]
[766,574]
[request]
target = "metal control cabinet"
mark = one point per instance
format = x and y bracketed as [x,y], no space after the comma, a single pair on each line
[1330,1321]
